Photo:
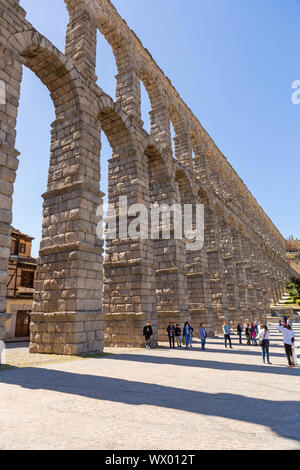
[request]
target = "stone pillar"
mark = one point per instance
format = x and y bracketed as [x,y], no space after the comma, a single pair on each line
[229,276]
[201,167]
[252,301]
[67,316]
[81,40]
[170,254]
[216,271]
[198,290]
[128,92]
[214,174]
[160,125]
[129,270]
[263,284]
[183,149]
[241,275]
[171,285]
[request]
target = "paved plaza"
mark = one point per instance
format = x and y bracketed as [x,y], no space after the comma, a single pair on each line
[158,399]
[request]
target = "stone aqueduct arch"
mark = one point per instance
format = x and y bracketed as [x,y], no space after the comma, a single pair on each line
[242,267]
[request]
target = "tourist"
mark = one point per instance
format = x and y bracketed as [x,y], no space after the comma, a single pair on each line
[294,349]
[171,335]
[288,339]
[187,333]
[202,336]
[227,331]
[253,334]
[148,333]
[239,331]
[264,342]
[191,335]
[248,334]
[178,335]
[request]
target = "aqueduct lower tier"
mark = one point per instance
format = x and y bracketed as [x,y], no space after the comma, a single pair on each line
[242,267]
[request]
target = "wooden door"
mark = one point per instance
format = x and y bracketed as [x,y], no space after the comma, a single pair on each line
[22,324]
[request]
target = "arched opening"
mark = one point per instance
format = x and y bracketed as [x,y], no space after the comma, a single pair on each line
[173,137]
[106,67]
[178,131]
[145,108]
[33,142]
[70,202]
[150,103]
[43,15]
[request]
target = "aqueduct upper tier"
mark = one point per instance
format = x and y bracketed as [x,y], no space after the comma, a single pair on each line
[242,267]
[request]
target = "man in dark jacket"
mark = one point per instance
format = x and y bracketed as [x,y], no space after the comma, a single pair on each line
[148,333]
[171,335]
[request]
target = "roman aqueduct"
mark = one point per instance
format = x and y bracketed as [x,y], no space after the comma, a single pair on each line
[78,302]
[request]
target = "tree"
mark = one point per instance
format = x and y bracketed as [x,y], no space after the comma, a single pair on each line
[293,288]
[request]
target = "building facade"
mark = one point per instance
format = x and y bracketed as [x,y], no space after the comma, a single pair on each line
[22,270]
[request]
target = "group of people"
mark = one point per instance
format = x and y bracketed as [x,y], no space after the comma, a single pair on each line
[256,334]
[259,334]
[185,337]
[182,337]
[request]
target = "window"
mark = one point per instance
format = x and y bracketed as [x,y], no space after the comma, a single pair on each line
[22,247]
[13,247]
[27,279]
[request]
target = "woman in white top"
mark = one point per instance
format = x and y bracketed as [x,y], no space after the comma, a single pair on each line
[264,342]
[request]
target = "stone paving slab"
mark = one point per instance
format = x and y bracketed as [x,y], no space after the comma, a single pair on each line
[158,399]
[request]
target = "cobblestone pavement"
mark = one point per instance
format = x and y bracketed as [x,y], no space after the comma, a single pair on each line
[158,399]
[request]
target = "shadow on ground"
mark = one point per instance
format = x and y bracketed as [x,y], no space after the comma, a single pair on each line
[282,417]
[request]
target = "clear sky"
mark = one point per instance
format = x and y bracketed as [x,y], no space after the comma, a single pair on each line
[232,61]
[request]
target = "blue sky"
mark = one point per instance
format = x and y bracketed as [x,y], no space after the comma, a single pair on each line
[232,61]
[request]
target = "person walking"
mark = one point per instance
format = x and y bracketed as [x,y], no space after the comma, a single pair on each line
[148,333]
[178,335]
[202,336]
[248,334]
[264,342]
[171,335]
[288,339]
[187,333]
[227,331]
[239,330]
